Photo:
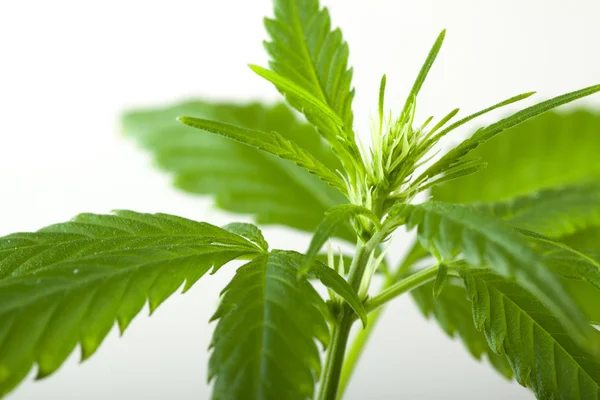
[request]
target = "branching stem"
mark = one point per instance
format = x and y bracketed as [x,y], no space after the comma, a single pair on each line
[409,283]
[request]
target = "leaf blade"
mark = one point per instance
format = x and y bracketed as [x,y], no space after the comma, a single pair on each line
[68,283]
[552,212]
[484,134]
[536,155]
[449,229]
[273,143]
[240,178]
[497,306]
[305,50]
[255,355]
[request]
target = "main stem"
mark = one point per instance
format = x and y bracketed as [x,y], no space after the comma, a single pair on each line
[334,360]
[335,356]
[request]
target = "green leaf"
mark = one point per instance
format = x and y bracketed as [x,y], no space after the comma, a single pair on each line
[418,84]
[264,344]
[272,143]
[484,134]
[68,283]
[587,239]
[448,230]
[440,280]
[552,212]
[305,50]
[242,179]
[250,232]
[335,218]
[334,281]
[550,151]
[471,117]
[303,98]
[452,312]
[458,171]
[542,354]
[578,270]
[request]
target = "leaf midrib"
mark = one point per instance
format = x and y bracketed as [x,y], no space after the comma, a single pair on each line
[80,282]
[300,32]
[489,283]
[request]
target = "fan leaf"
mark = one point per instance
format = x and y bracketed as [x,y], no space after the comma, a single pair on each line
[334,281]
[578,270]
[264,346]
[452,311]
[484,134]
[549,151]
[242,179]
[308,55]
[552,212]
[68,283]
[448,230]
[335,218]
[542,354]
[272,143]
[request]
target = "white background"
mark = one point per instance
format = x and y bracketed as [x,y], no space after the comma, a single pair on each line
[68,68]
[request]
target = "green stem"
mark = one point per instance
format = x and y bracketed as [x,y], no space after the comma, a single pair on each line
[336,352]
[356,351]
[335,356]
[409,283]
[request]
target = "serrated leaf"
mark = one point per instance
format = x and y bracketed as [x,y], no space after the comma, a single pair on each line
[334,219]
[579,272]
[334,281]
[543,355]
[549,151]
[440,280]
[452,311]
[448,230]
[264,344]
[425,68]
[484,134]
[477,114]
[241,179]
[68,283]
[272,143]
[587,239]
[250,232]
[301,97]
[305,50]
[456,172]
[552,212]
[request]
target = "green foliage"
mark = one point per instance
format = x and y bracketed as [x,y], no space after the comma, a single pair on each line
[440,280]
[272,143]
[552,212]
[241,179]
[250,232]
[264,344]
[550,151]
[68,283]
[518,269]
[447,230]
[414,92]
[484,134]
[542,354]
[302,99]
[338,285]
[452,311]
[305,50]
[586,239]
[335,218]
[579,271]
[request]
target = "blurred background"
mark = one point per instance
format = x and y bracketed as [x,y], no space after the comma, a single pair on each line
[69,68]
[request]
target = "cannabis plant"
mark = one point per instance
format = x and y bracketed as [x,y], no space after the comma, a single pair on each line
[503,256]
